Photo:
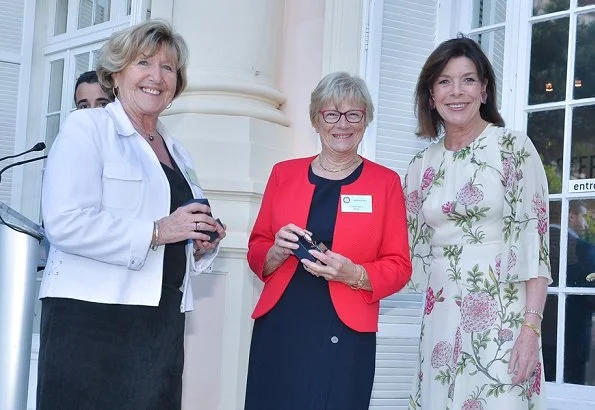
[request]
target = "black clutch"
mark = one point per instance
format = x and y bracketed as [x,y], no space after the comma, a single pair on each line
[213,235]
[305,243]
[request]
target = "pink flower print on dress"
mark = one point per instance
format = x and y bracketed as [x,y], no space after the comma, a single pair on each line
[413,202]
[540,210]
[428,178]
[458,344]
[535,382]
[431,300]
[469,194]
[507,169]
[448,207]
[472,404]
[498,263]
[478,312]
[441,354]
[505,335]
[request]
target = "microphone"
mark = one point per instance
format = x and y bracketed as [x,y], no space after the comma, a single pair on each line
[40,146]
[14,164]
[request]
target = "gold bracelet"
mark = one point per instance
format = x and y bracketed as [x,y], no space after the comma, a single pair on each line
[534,312]
[360,282]
[534,328]
[155,237]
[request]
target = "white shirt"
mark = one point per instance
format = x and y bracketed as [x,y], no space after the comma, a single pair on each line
[103,187]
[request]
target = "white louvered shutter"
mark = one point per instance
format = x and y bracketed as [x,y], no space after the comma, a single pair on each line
[11,33]
[407,38]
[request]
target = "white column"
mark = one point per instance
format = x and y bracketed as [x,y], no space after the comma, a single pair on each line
[229,119]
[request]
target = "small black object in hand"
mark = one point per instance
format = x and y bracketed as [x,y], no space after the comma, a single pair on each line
[213,235]
[305,243]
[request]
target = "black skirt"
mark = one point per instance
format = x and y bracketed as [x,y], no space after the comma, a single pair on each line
[96,356]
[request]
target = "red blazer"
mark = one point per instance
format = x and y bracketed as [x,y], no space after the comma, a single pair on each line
[376,240]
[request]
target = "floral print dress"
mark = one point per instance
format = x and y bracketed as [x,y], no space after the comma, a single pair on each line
[478,229]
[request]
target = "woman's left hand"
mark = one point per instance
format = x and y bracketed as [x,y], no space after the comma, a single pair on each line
[334,267]
[524,356]
[202,247]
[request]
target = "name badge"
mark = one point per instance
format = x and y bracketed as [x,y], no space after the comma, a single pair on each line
[356,203]
[192,176]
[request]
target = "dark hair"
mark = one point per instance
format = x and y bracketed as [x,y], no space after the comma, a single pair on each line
[91,78]
[428,120]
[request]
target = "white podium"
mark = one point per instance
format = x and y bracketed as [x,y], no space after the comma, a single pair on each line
[20,254]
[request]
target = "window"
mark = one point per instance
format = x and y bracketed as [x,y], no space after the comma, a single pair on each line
[560,109]
[78,30]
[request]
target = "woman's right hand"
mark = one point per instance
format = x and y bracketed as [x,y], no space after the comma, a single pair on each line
[185,222]
[283,246]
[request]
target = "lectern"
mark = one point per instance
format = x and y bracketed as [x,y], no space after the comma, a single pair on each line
[20,254]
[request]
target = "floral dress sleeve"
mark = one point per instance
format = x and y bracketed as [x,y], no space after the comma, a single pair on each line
[416,186]
[525,252]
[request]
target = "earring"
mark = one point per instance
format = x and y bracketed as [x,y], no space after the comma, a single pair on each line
[432,103]
[484,97]
[115,91]
[168,105]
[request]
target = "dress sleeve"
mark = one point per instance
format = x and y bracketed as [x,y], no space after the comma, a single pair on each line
[415,188]
[525,253]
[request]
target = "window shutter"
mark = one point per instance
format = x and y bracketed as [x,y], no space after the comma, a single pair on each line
[407,38]
[408,35]
[11,33]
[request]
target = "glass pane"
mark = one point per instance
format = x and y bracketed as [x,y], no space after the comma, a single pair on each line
[85,13]
[555,229]
[546,130]
[579,353]
[548,6]
[93,12]
[549,329]
[488,12]
[580,251]
[549,55]
[102,9]
[582,3]
[583,144]
[61,17]
[492,44]
[56,81]
[584,75]
[95,59]
[81,64]
[52,126]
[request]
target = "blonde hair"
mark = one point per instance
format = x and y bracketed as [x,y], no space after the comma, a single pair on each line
[337,87]
[147,38]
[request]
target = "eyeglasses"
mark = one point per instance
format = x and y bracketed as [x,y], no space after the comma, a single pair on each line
[334,116]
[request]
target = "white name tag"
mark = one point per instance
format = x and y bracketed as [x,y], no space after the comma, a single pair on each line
[356,203]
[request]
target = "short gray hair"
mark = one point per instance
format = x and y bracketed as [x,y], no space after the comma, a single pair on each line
[338,87]
[124,46]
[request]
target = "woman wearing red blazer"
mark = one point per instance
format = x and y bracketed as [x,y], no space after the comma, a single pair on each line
[314,337]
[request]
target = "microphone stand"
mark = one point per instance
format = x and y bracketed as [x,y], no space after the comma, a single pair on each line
[14,164]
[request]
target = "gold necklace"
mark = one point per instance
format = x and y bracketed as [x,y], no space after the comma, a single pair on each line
[337,169]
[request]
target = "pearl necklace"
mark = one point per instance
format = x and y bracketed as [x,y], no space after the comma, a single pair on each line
[333,170]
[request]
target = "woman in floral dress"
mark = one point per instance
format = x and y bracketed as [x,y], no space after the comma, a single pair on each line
[477,213]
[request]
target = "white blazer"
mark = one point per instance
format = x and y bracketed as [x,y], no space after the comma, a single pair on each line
[103,187]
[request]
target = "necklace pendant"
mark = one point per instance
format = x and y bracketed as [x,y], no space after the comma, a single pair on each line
[151,138]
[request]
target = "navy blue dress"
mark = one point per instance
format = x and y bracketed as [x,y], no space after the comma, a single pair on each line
[97,356]
[302,356]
